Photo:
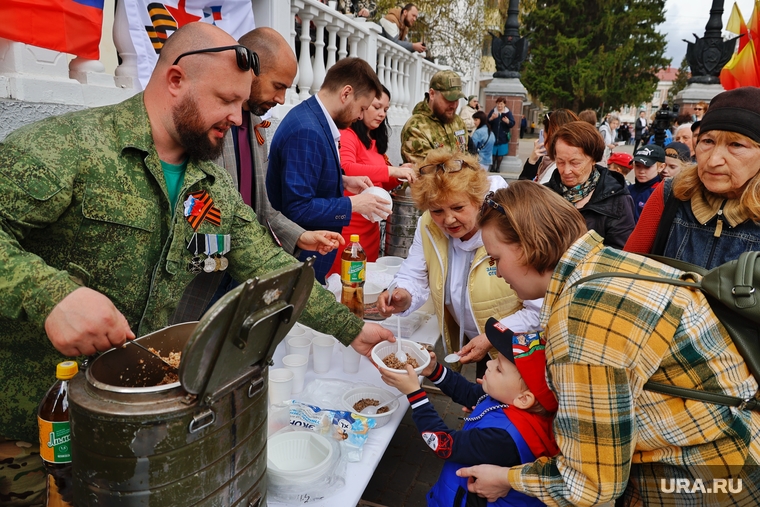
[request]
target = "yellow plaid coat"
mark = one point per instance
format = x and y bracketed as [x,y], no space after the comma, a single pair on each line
[605,339]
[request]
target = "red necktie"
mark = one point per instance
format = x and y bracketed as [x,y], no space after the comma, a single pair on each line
[245,161]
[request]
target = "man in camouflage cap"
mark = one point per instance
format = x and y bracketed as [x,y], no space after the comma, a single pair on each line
[434,123]
[97,214]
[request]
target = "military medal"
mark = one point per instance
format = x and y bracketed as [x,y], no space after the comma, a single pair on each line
[210,265]
[223,241]
[194,266]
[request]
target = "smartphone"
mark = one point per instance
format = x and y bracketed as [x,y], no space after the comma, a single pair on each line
[541,136]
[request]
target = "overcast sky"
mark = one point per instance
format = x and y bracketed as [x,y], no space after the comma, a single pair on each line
[685,17]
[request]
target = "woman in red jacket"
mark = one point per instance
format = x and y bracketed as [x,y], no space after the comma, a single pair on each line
[362,153]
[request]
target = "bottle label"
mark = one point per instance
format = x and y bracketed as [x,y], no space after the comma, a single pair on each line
[55,441]
[352,271]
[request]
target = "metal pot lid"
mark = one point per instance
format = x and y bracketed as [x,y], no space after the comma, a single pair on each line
[243,329]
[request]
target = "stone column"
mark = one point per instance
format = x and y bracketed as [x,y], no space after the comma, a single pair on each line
[515,94]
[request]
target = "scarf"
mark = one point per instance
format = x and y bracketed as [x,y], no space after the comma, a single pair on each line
[580,192]
[536,430]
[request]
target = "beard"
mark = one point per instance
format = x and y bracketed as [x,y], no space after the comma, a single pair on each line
[345,118]
[193,136]
[442,113]
[255,104]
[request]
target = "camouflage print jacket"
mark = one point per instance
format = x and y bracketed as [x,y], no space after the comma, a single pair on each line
[424,132]
[83,202]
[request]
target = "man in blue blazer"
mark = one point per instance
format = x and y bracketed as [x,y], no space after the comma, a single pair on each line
[305,181]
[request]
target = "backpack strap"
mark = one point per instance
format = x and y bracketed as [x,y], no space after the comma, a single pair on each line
[671,390]
[666,219]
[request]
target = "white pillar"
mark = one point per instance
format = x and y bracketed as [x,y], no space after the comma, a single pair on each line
[319,55]
[305,72]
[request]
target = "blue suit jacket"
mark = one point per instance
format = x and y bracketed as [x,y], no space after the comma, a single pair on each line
[304,177]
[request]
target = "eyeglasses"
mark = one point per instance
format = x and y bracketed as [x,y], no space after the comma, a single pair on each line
[489,203]
[246,59]
[698,109]
[452,166]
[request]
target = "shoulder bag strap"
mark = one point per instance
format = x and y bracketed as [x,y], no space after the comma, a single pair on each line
[666,220]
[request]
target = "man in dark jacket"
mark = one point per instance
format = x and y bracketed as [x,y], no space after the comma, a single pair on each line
[501,120]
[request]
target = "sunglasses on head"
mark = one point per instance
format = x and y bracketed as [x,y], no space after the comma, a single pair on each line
[451,166]
[489,203]
[547,115]
[246,59]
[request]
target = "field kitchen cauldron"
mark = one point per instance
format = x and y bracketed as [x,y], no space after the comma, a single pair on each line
[200,441]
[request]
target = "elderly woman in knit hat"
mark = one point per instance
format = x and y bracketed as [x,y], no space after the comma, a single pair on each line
[710,213]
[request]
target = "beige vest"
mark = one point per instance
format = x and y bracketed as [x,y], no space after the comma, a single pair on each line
[493,297]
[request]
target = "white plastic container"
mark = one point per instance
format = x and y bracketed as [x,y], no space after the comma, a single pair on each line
[297,457]
[412,349]
[376,393]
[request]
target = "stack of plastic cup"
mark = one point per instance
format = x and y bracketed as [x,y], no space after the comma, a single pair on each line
[297,364]
[323,351]
[280,385]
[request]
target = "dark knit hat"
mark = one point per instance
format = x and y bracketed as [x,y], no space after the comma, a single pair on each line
[734,111]
[527,352]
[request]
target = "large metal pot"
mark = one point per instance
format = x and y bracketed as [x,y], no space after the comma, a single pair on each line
[401,224]
[198,441]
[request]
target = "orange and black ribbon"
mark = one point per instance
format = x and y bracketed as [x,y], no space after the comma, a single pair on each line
[259,137]
[203,209]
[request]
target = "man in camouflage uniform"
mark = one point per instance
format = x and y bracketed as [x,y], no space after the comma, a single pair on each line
[434,123]
[93,234]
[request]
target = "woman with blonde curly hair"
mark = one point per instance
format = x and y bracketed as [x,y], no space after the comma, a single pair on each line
[710,213]
[448,263]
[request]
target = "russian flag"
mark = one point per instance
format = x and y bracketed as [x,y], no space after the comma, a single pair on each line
[69,26]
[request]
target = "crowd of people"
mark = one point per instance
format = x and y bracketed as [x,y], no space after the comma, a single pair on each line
[95,225]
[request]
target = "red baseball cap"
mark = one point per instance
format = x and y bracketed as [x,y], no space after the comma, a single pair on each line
[621,159]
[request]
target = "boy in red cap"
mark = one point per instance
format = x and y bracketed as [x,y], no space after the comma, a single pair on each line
[511,422]
[620,162]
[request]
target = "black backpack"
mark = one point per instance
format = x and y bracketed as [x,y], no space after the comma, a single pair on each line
[731,290]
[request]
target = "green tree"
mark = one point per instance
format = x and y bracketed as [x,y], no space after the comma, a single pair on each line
[682,79]
[599,54]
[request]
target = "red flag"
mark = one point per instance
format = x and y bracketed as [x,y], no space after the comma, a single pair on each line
[69,26]
[741,70]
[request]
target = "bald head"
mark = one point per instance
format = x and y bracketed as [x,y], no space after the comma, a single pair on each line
[192,37]
[191,105]
[278,65]
[273,50]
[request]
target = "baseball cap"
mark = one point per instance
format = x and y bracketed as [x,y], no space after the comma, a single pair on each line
[527,352]
[448,83]
[622,159]
[679,151]
[649,154]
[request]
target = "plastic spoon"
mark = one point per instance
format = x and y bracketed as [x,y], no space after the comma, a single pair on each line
[400,354]
[452,358]
[372,409]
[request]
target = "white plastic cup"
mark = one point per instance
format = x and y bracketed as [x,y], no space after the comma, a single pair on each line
[297,364]
[323,351]
[333,4]
[280,385]
[299,345]
[391,263]
[351,359]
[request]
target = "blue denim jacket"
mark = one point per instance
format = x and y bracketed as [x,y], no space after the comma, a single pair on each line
[690,241]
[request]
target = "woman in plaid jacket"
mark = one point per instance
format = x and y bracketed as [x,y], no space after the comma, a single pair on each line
[605,339]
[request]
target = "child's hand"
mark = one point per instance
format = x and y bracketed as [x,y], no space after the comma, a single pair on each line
[407,382]
[429,369]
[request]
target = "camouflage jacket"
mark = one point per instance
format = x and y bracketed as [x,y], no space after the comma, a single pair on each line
[424,132]
[83,202]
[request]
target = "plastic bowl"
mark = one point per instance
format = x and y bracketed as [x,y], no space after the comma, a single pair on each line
[384,349]
[297,457]
[375,393]
[382,194]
